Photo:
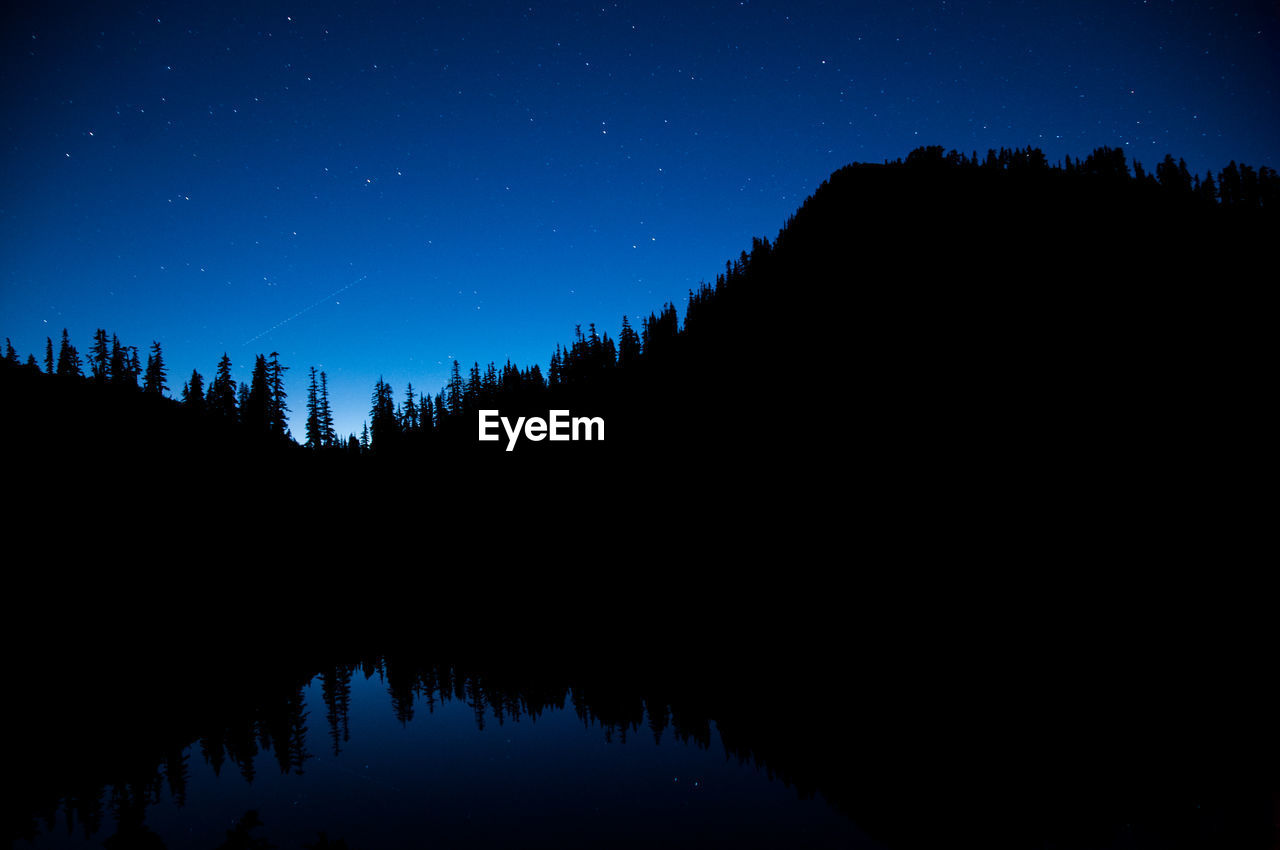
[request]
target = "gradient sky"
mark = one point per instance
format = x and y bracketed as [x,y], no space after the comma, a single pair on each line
[376,188]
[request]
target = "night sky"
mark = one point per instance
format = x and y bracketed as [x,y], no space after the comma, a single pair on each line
[377,188]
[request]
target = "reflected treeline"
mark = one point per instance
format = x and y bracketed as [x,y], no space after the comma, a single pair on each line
[912,754]
[234,729]
[141,747]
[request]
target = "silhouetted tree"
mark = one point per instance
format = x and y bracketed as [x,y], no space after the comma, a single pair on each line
[100,356]
[193,393]
[409,413]
[254,411]
[315,437]
[69,358]
[384,426]
[154,381]
[220,400]
[455,389]
[471,395]
[328,435]
[277,409]
[135,368]
[425,411]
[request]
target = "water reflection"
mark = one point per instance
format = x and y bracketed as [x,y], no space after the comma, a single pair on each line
[385,753]
[909,736]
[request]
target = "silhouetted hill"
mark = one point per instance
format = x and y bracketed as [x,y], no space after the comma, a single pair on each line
[934,352]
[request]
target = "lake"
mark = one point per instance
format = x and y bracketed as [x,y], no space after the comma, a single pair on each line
[440,759]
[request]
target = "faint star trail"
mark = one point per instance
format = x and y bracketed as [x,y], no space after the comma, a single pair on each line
[304,310]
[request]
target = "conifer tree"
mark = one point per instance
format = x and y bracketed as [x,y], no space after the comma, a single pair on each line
[555,370]
[424,412]
[471,396]
[135,368]
[254,410]
[48,355]
[409,414]
[277,409]
[329,437]
[384,423]
[118,373]
[608,352]
[193,393]
[455,390]
[221,396]
[69,358]
[489,384]
[100,356]
[314,437]
[154,381]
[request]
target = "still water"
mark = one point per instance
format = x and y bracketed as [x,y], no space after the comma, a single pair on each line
[348,757]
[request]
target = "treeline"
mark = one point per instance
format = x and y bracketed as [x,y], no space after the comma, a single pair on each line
[1236,186]
[853,232]
[259,406]
[714,311]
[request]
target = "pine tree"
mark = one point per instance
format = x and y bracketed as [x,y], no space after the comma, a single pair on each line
[135,368]
[384,423]
[119,371]
[555,370]
[69,358]
[489,385]
[221,396]
[48,355]
[455,390]
[254,410]
[100,356]
[328,435]
[471,396]
[608,352]
[10,353]
[409,415]
[277,410]
[424,412]
[193,393]
[314,437]
[154,382]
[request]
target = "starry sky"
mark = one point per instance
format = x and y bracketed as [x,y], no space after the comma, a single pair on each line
[377,188]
